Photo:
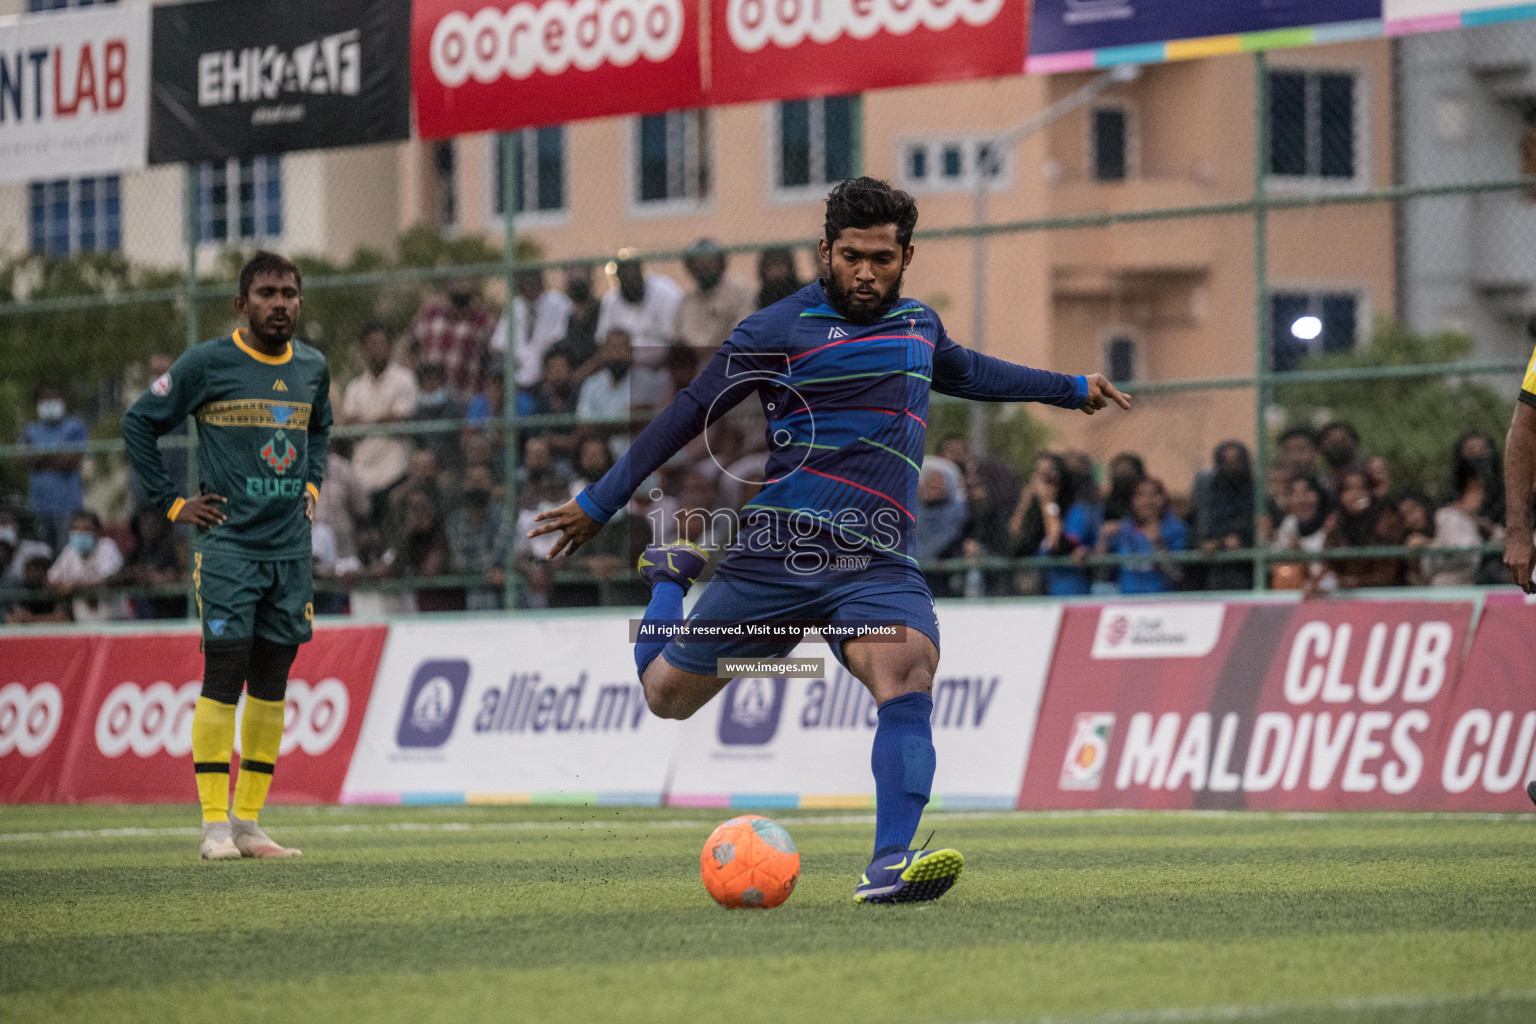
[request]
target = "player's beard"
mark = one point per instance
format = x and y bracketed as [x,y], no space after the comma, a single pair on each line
[861,313]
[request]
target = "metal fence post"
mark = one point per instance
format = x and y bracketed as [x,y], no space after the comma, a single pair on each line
[1261,386]
[509,182]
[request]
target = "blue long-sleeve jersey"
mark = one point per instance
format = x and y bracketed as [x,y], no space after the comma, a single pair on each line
[847,410]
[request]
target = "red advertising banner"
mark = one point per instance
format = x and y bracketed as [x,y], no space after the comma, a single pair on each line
[788,49]
[132,739]
[478,65]
[1319,705]
[42,686]
[1489,753]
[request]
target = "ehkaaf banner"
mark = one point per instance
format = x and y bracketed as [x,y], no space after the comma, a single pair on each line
[300,76]
[786,49]
[498,66]
[74,93]
[1062,26]
[1311,706]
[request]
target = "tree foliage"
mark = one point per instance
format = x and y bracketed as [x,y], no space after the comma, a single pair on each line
[1413,421]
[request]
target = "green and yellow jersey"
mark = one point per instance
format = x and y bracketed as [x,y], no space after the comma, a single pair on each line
[1528,386]
[263,428]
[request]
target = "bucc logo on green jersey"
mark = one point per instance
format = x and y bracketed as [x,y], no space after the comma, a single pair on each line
[279,452]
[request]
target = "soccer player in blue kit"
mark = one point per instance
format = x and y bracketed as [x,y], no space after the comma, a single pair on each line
[843,369]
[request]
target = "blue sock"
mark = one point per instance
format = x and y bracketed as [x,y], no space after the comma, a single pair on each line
[903,762]
[666,603]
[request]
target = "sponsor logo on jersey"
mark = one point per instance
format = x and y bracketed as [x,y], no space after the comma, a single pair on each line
[279,452]
[837,332]
[162,385]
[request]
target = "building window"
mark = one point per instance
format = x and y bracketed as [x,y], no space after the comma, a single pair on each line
[444,183]
[1120,359]
[1111,144]
[940,165]
[1312,129]
[672,157]
[74,215]
[1311,323]
[817,142]
[538,163]
[240,199]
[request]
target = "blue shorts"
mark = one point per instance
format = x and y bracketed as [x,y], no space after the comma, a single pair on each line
[851,597]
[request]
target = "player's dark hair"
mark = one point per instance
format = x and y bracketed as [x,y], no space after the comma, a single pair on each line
[264,262]
[1306,432]
[869,202]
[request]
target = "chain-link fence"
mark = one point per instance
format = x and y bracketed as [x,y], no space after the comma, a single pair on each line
[1312,268]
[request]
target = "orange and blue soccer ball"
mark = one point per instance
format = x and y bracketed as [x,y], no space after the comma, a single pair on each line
[750,861]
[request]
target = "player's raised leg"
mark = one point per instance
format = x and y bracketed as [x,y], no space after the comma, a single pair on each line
[671,569]
[900,676]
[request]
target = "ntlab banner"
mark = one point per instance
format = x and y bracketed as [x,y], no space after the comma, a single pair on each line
[1062,26]
[510,711]
[1489,753]
[806,742]
[236,79]
[74,93]
[132,735]
[785,49]
[1319,705]
[43,681]
[497,66]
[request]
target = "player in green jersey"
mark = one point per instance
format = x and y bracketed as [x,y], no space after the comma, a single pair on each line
[262,404]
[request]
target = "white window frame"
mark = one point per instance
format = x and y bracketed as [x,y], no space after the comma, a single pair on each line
[232,238]
[76,222]
[1317,183]
[529,219]
[698,155]
[817,189]
[1132,144]
[970,147]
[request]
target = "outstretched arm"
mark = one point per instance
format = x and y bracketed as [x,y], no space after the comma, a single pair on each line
[726,379]
[963,373]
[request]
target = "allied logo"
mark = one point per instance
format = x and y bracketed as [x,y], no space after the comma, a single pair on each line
[837,332]
[279,452]
[751,710]
[279,386]
[161,386]
[432,703]
[1087,751]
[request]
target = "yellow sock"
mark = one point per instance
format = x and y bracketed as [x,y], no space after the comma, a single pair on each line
[213,743]
[261,733]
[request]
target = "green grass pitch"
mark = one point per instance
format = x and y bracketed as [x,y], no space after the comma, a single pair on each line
[541,914]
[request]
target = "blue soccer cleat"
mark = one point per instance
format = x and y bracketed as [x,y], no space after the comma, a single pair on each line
[909,876]
[680,562]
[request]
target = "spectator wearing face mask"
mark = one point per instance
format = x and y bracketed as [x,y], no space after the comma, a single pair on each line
[580,341]
[88,560]
[435,400]
[540,317]
[53,483]
[1221,512]
[710,312]
[644,306]
[607,393]
[454,332]
[476,540]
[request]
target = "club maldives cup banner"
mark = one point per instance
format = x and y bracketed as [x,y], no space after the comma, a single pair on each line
[483,66]
[74,93]
[1318,705]
[236,79]
[109,717]
[806,742]
[786,49]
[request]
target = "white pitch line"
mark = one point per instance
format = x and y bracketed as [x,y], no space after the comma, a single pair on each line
[862,818]
[1263,1011]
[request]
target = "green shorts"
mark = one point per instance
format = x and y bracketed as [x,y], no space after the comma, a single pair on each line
[240,598]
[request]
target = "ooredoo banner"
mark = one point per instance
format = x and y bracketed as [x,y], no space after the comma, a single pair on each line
[74,93]
[132,740]
[786,49]
[495,66]
[806,742]
[511,711]
[1489,753]
[1318,705]
[43,681]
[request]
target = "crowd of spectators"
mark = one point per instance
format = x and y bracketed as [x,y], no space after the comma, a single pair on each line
[420,490]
